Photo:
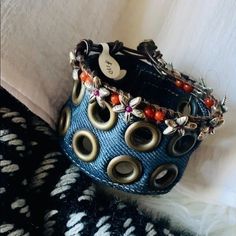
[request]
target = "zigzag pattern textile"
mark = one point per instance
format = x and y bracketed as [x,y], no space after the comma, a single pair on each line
[42,193]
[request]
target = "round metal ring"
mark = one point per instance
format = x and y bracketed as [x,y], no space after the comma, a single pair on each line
[124,169]
[142,136]
[77,92]
[64,121]
[163,176]
[180,145]
[85,145]
[102,118]
[187,106]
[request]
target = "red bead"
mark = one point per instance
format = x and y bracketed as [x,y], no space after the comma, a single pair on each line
[179,83]
[85,77]
[209,102]
[149,112]
[115,99]
[188,88]
[159,116]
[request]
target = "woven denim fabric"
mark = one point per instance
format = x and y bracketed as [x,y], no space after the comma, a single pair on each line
[112,142]
[43,194]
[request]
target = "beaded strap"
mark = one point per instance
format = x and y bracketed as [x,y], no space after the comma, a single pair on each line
[139,107]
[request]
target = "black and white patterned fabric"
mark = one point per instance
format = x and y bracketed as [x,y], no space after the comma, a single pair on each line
[42,193]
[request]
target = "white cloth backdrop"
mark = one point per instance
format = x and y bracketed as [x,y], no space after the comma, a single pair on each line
[197,36]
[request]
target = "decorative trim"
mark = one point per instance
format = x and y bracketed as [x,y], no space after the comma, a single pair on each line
[137,107]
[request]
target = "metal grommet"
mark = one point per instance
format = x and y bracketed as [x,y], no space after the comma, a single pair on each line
[180,145]
[64,120]
[124,169]
[77,92]
[187,106]
[163,176]
[85,145]
[142,136]
[102,118]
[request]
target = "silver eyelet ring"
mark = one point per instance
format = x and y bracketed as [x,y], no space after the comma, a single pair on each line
[163,176]
[85,145]
[64,121]
[77,92]
[102,118]
[142,136]
[187,106]
[124,169]
[180,145]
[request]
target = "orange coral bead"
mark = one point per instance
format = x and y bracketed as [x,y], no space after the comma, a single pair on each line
[188,88]
[159,116]
[209,102]
[115,99]
[179,83]
[84,76]
[149,112]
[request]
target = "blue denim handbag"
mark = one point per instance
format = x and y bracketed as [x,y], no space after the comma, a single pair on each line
[132,120]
